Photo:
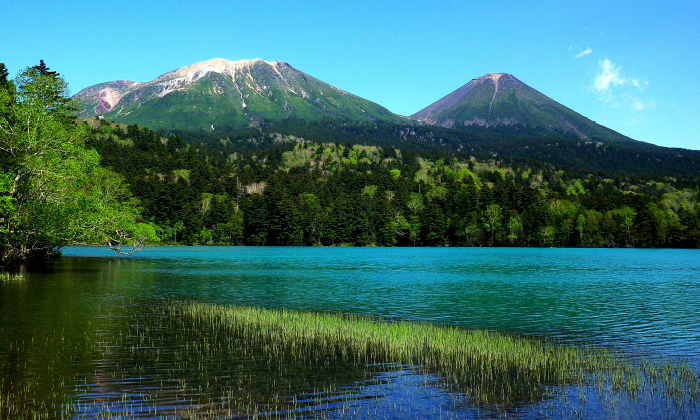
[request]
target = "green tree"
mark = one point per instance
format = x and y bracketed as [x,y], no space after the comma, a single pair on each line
[58,192]
[472,233]
[547,234]
[625,219]
[492,220]
[435,226]
[515,229]
[416,207]
[255,220]
[177,228]
[589,225]
[310,213]
[581,228]
[6,84]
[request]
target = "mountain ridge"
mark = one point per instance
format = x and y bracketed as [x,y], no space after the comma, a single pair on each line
[223,92]
[246,93]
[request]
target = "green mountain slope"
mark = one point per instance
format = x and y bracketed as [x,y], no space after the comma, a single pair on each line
[499,99]
[219,93]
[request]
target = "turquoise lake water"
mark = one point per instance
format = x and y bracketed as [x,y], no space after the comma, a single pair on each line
[642,303]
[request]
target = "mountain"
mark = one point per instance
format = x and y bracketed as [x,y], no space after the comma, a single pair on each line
[220,92]
[499,99]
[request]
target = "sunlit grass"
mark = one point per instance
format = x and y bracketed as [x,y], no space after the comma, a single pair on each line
[6,277]
[491,367]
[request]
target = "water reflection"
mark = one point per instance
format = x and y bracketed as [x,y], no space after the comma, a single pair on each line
[83,335]
[635,299]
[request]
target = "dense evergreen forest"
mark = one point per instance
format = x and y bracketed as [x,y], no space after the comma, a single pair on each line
[331,183]
[339,184]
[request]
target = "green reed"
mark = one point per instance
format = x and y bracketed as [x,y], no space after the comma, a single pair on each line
[491,367]
[288,351]
[6,277]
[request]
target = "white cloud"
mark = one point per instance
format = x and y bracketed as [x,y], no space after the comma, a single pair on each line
[640,84]
[608,75]
[584,53]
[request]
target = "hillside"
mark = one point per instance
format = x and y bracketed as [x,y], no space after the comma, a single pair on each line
[219,93]
[285,190]
[508,143]
[499,99]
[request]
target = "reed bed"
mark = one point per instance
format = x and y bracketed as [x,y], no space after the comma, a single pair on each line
[6,277]
[492,368]
[207,361]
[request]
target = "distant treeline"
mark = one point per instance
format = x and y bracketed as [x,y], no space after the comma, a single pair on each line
[514,144]
[259,187]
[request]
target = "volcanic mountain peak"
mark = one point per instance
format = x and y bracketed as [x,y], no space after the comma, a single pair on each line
[184,76]
[196,71]
[222,92]
[497,99]
[494,77]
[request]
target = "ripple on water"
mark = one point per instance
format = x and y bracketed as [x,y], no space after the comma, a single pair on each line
[642,302]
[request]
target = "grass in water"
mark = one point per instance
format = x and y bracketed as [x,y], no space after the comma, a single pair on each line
[6,277]
[200,360]
[490,367]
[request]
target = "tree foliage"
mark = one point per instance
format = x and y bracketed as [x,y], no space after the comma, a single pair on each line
[54,191]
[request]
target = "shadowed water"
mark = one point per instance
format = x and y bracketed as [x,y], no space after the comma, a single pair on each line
[87,326]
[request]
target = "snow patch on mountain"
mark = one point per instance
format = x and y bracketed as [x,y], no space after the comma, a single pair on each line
[184,76]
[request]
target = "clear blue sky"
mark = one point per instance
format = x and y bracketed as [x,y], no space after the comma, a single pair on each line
[631,66]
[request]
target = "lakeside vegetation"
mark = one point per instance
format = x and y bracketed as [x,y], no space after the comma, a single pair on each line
[53,191]
[491,367]
[65,182]
[6,277]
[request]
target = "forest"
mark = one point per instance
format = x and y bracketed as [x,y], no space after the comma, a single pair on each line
[351,185]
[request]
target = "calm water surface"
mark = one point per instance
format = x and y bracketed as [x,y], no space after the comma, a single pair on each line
[641,302]
[646,300]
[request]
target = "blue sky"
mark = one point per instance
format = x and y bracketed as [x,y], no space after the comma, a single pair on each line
[631,66]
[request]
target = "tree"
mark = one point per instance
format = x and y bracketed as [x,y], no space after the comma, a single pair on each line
[310,213]
[55,186]
[492,220]
[625,219]
[472,232]
[547,235]
[435,226]
[515,228]
[5,83]
[416,206]
[255,221]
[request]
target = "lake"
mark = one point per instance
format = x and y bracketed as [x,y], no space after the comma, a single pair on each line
[73,335]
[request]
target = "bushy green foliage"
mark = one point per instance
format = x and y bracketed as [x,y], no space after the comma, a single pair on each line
[514,146]
[53,191]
